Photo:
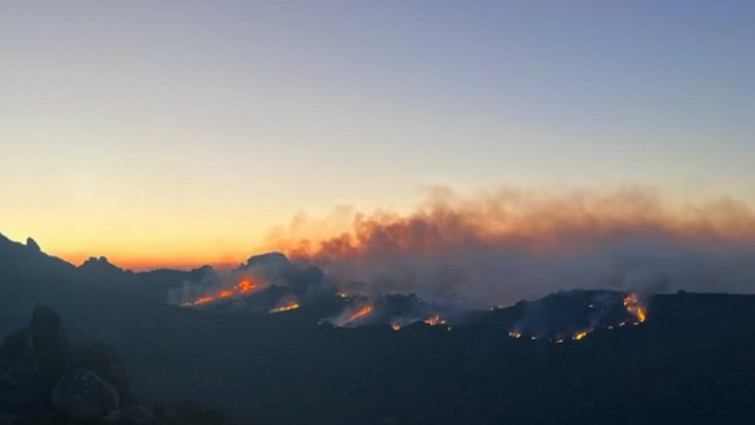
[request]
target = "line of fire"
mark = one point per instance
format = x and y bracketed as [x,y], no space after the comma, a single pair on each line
[358,310]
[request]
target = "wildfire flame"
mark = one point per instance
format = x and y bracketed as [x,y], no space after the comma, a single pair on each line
[396,326]
[436,320]
[286,307]
[632,304]
[580,335]
[635,308]
[359,314]
[244,287]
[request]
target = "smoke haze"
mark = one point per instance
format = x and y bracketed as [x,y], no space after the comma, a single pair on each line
[499,247]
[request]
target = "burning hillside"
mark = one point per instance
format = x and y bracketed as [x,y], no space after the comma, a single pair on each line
[276,283]
[354,317]
[396,310]
[558,319]
[244,287]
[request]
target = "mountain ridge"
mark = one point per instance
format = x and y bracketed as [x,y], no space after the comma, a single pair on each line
[286,369]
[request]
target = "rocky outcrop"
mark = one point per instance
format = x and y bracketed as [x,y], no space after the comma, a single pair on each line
[82,394]
[105,362]
[133,415]
[17,345]
[43,381]
[100,266]
[33,245]
[47,333]
[33,360]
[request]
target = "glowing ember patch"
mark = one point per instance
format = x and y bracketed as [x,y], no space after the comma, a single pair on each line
[202,300]
[635,308]
[436,320]
[515,334]
[580,335]
[395,326]
[286,307]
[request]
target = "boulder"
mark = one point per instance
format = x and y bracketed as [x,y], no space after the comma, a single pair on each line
[6,381]
[114,417]
[17,345]
[105,362]
[11,419]
[47,333]
[17,401]
[132,415]
[138,414]
[84,395]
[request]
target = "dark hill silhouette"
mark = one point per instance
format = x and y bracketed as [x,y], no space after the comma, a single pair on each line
[691,362]
[152,284]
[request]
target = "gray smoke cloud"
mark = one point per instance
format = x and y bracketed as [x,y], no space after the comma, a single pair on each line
[512,244]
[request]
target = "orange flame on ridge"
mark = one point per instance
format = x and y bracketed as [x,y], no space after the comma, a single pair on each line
[286,307]
[436,320]
[635,308]
[359,314]
[244,287]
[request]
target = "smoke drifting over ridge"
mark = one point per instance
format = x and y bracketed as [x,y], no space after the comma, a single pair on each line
[497,248]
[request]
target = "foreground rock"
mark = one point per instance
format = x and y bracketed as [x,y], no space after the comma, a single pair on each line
[84,395]
[133,415]
[43,382]
[47,333]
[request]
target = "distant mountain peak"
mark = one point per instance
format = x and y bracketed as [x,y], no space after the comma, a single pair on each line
[33,245]
[204,269]
[101,260]
[99,263]
[267,259]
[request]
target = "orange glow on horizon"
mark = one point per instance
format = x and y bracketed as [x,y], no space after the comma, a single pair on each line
[142,264]
[536,220]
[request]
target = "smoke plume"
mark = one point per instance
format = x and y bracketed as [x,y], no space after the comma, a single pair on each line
[512,244]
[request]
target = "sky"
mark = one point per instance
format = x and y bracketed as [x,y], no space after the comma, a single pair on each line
[180,132]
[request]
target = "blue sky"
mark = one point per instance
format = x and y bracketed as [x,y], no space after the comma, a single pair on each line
[219,119]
